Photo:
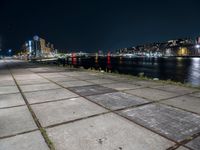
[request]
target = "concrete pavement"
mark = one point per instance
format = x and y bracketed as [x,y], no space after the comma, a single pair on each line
[48,107]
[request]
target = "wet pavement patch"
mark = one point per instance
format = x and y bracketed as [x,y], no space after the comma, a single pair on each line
[170,122]
[194,144]
[105,132]
[117,100]
[91,90]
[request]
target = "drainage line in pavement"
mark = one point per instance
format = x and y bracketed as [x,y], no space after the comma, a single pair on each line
[42,130]
[8,136]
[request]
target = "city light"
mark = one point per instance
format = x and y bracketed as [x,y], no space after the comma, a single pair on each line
[197,46]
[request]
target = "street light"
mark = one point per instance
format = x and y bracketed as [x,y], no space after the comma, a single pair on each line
[197,46]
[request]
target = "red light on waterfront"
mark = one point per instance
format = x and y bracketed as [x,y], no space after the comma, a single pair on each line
[108,58]
[74,58]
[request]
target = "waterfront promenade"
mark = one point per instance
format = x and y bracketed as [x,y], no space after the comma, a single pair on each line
[47,107]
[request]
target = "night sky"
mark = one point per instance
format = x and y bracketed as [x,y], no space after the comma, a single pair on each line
[89,25]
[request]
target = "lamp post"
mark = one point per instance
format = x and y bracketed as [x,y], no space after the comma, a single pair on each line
[197,47]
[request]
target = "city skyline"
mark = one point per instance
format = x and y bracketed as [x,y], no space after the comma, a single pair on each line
[85,25]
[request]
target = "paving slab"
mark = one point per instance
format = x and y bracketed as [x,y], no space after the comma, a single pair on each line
[15,120]
[117,100]
[176,89]
[27,77]
[28,141]
[152,94]
[88,77]
[21,72]
[73,74]
[33,81]
[116,77]
[147,83]
[7,82]
[6,76]
[8,89]
[101,81]
[194,144]
[185,102]
[62,79]
[67,110]
[122,86]
[49,95]
[91,90]
[105,132]
[196,94]
[74,83]
[10,100]
[52,75]
[182,148]
[40,69]
[37,87]
[173,123]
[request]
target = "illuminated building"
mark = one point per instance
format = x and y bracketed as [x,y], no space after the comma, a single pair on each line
[38,47]
[183,51]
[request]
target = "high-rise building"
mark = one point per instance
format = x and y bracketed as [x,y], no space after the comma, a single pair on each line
[38,47]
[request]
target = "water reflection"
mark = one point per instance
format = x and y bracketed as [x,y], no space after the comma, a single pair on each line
[179,69]
[194,72]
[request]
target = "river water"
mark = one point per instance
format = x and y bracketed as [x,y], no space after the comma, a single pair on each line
[179,69]
[185,70]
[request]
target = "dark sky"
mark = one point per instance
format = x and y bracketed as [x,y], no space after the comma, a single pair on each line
[97,24]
